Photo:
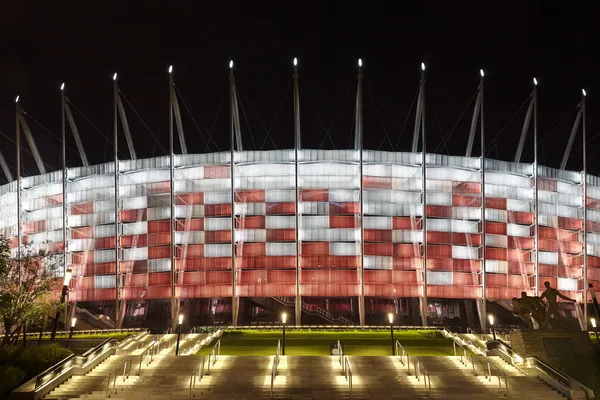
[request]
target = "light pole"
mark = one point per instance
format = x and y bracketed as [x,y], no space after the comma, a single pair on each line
[63,294]
[595,329]
[491,318]
[73,322]
[391,319]
[179,333]
[283,320]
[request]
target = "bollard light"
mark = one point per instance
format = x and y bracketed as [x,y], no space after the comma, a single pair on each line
[593,320]
[491,319]
[283,320]
[391,319]
[73,322]
[178,333]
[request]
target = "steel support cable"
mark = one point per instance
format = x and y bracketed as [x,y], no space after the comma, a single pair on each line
[415,95]
[332,123]
[108,139]
[143,122]
[455,125]
[189,111]
[498,135]
[386,131]
[214,124]
[50,132]
[241,104]
[441,131]
[267,131]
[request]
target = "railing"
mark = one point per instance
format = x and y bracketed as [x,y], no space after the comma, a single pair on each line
[71,361]
[421,373]
[340,352]
[402,353]
[125,367]
[215,352]
[348,373]
[499,374]
[516,361]
[149,353]
[464,357]
[342,328]
[86,332]
[198,372]
[275,365]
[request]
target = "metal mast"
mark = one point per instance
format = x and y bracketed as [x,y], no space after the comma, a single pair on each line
[585,266]
[172,201]
[359,139]
[64,176]
[298,304]
[116,156]
[535,187]
[232,123]
[421,123]
[483,230]
[18,143]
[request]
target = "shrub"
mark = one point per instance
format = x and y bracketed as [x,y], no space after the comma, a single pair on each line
[10,378]
[34,360]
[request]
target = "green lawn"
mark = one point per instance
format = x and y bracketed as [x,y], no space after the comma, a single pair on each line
[418,343]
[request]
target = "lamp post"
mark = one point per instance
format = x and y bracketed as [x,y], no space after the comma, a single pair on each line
[491,318]
[391,319]
[63,294]
[595,329]
[73,322]
[283,320]
[178,333]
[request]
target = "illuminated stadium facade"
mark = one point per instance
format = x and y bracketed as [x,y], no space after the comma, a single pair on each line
[337,236]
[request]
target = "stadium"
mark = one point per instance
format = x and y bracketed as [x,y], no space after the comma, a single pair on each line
[336,237]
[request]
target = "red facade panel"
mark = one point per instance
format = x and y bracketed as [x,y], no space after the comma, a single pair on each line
[82,208]
[190,225]
[217,171]
[217,210]
[281,208]
[320,195]
[346,208]
[253,222]
[406,223]
[281,235]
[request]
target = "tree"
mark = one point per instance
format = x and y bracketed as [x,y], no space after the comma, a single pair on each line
[27,289]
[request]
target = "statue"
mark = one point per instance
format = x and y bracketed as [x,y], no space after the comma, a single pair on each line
[530,309]
[536,312]
[553,313]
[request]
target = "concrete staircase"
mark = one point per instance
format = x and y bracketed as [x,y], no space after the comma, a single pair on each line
[303,377]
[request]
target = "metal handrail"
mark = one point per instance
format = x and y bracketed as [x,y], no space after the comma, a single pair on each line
[464,357]
[71,361]
[275,365]
[348,373]
[150,351]
[197,372]
[85,332]
[402,354]
[115,373]
[215,352]
[499,372]
[340,352]
[421,372]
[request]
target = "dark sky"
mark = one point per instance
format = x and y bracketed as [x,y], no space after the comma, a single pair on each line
[82,43]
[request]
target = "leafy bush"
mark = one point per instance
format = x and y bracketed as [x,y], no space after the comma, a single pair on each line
[34,360]
[10,378]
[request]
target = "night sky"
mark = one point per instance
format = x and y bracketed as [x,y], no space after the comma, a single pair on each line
[83,43]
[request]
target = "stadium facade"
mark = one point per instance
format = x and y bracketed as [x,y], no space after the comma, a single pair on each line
[340,235]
